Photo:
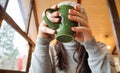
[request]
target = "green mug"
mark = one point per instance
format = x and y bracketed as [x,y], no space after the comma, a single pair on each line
[63,28]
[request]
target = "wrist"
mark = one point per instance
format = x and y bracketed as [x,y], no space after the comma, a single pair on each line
[43,40]
[88,37]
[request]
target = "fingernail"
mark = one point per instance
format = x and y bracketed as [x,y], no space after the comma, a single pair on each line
[70,16]
[57,13]
[53,32]
[70,11]
[56,6]
[73,28]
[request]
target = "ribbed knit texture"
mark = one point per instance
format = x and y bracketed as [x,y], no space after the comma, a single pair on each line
[98,60]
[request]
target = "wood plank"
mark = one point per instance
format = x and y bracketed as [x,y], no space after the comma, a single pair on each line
[10,71]
[35,15]
[12,23]
[79,1]
[3,5]
[1,13]
[115,23]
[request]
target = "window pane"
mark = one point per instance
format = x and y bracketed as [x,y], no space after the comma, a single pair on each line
[19,10]
[13,49]
[3,3]
[14,11]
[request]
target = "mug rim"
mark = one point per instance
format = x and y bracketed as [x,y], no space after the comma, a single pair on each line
[64,35]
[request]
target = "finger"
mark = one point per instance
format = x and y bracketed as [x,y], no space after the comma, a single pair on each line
[75,13]
[82,21]
[55,20]
[77,8]
[54,17]
[43,28]
[55,14]
[54,7]
[43,23]
[79,29]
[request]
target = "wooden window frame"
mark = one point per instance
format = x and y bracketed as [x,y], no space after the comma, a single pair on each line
[115,23]
[11,22]
[4,8]
[27,23]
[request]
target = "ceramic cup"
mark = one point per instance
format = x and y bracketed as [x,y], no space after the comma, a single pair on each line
[63,28]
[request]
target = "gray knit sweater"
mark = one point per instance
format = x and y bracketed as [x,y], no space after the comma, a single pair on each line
[42,59]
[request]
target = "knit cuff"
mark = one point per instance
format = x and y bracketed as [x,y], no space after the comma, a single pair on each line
[42,45]
[93,48]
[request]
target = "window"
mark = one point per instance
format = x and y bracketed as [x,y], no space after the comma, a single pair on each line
[15,43]
[13,49]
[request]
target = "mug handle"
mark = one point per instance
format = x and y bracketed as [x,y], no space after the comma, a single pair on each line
[48,22]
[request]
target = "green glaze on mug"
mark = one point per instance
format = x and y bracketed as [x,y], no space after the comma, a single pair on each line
[63,28]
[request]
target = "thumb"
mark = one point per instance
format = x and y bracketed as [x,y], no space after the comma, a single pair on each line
[54,7]
[79,29]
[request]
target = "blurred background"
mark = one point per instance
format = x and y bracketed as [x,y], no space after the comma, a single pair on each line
[20,19]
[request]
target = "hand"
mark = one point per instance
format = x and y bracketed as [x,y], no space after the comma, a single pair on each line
[83,31]
[46,32]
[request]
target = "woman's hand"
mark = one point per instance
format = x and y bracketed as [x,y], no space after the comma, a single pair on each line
[44,30]
[83,31]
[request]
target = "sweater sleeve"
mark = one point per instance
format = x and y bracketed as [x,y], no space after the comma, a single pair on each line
[99,60]
[40,62]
